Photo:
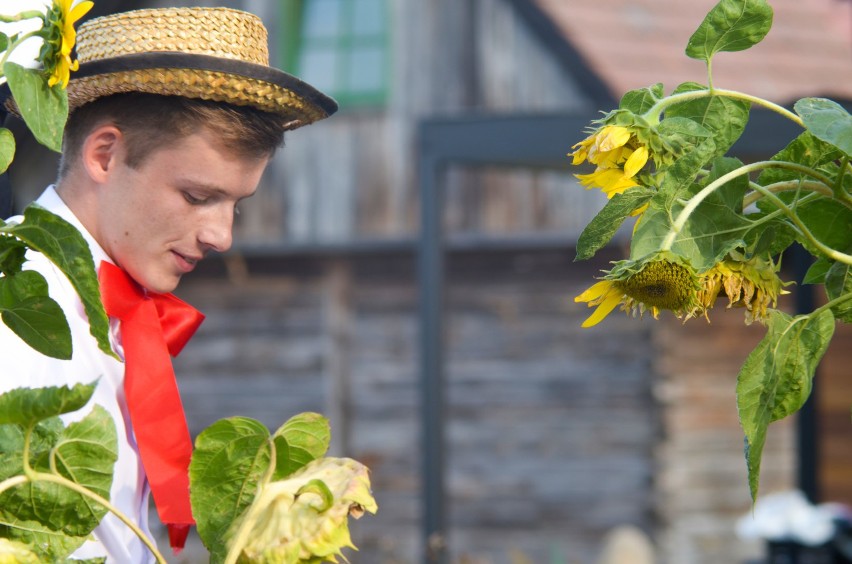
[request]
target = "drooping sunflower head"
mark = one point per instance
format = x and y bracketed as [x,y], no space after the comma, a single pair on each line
[59,38]
[752,284]
[663,281]
[305,516]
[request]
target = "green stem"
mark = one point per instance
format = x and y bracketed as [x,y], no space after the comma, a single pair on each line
[710,73]
[696,200]
[27,15]
[12,482]
[658,108]
[839,189]
[835,302]
[787,186]
[804,231]
[32,476]
[242,536]
[17,42]
[46,477]
[28,434]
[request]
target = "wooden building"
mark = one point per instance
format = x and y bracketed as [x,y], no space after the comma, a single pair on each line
[555,434]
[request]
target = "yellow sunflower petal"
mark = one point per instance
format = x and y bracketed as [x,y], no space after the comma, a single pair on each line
[636,161]
[618,186]
[609,159]
[609,303]
[611,137]
[594,291]
[79,11]
[602,178]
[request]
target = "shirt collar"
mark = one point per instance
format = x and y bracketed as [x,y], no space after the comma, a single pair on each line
[52,202]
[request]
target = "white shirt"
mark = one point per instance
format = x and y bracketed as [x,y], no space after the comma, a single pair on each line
[24,367]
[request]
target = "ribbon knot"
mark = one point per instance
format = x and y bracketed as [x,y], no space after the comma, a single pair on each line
[153,327]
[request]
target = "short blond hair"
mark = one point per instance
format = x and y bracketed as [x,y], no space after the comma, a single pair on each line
[152,121]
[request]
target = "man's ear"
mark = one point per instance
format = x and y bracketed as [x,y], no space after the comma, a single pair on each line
[102,150]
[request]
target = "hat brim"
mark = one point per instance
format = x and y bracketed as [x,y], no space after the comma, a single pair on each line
[205,77]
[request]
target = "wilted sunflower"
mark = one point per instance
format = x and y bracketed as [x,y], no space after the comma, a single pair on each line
[12,552]
[661,282]
[753,284]
[304,518]
[59,38]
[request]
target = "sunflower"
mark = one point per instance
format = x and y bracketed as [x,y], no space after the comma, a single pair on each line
[752,284]
[663,281]
[59,38]
[618,155]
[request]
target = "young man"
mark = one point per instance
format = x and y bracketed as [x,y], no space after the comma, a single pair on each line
[175,114]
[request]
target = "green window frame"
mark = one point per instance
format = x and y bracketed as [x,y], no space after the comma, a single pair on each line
[339,46]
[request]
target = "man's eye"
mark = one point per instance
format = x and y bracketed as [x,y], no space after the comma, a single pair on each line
[194,200]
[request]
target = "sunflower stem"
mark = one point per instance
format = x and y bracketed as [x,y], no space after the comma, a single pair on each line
[241,538]
[73,486]
[803,229]
[786,186]
[835,302]
[31,476]
[26,15]
[12,482]
[661,106]
[14,44]
[696,200]
[839,190]
[28,435]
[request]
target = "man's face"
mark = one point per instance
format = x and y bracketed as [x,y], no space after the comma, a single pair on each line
[158,220]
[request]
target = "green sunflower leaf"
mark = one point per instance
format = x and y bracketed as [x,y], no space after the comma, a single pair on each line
[777,376]
[838,282]
[603,227]
[12,255]
[731,25]
[817,271]
[829,221]
[30,313]
[643,99]
[63,244]
[230,459]
[7,148]
[827,120]
[50,517]
[28,406]
[40,322]
[806,150]
[307,436]
[725,117]
[44,108]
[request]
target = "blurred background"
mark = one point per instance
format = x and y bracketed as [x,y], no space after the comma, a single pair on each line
[545,437]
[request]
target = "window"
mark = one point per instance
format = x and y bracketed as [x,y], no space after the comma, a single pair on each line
[339,46]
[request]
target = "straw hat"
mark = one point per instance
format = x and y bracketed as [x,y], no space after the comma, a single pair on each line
[216,54]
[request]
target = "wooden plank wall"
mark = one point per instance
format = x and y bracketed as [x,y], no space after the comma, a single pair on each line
[834,426]
[551,429]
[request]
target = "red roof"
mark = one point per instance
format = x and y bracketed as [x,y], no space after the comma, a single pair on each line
[634,43]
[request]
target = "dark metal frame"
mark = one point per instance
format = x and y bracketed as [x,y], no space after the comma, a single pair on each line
[537,141]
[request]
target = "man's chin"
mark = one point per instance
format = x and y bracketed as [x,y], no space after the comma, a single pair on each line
[163,286]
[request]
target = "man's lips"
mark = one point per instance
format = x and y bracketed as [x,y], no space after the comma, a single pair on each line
[186,262]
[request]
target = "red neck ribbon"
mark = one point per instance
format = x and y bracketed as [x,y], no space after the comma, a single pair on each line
[154,326]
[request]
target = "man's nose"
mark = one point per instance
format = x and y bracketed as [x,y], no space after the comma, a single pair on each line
[216,232]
